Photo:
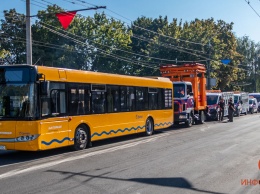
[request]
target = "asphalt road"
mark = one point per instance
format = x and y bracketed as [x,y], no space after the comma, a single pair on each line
[210,158]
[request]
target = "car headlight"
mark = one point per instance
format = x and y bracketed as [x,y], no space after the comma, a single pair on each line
[182,117]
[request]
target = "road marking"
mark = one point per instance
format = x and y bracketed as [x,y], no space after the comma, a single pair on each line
[50,164]
[94,153]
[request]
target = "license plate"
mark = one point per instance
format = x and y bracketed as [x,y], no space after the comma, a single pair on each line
[2,147]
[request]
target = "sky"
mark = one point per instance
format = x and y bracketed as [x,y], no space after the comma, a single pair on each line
[246,17]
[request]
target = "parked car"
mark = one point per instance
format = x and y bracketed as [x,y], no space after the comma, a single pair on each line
[253,105]
[257,96]
[241,101]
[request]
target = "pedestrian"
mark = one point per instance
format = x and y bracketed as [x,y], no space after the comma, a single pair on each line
[221,105]
[231,110]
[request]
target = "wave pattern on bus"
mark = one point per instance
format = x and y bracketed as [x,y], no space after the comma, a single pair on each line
[56,140]
[104,132]
[162,124]
[127,129]
[115,132]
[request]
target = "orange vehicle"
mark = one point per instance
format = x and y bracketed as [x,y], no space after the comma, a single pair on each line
[190,104]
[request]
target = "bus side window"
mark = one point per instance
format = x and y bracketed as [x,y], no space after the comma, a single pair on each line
[110,102]
[98,102]
[131,98]
[80,108]
[58,102]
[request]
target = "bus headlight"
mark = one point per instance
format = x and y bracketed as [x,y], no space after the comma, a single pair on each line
[27,138]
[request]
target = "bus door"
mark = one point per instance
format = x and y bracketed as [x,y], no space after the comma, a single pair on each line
[55,121]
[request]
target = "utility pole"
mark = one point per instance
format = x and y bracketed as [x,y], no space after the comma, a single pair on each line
[208,71]
[28,34]
[255,75]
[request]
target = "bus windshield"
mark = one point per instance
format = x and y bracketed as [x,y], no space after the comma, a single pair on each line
[212,100]
[16,100]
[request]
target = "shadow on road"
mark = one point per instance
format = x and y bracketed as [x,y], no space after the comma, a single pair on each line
[13,157]
[176,182]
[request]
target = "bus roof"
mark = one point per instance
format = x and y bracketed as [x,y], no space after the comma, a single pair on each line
[81,76]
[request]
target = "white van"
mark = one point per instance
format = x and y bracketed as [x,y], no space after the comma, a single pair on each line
[253,105]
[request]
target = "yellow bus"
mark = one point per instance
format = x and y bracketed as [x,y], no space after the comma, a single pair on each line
[44,107]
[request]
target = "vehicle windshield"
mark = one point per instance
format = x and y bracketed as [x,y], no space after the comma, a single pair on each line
[17,100]
[179,90]
[212,99]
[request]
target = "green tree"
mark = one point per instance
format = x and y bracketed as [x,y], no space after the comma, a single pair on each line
[250,63]
[110,39]
[145,42]
[13,41]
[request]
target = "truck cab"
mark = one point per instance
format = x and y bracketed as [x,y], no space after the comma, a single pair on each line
[183,102]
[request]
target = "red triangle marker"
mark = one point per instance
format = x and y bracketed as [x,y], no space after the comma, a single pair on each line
[66,18]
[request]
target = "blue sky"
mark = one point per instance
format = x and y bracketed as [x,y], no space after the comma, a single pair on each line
[246,21]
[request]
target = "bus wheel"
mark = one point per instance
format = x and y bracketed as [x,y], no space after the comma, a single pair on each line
[149,128]
[81,138]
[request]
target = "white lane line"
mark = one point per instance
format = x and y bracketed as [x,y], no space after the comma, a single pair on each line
[50,164]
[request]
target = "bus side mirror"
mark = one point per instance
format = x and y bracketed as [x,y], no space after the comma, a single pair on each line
[44,88]
[40,76]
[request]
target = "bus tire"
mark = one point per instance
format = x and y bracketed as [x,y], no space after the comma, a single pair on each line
[82,138]
[149,127]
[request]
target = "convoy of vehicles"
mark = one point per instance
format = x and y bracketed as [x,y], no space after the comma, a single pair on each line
[189,84]
[44,107]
